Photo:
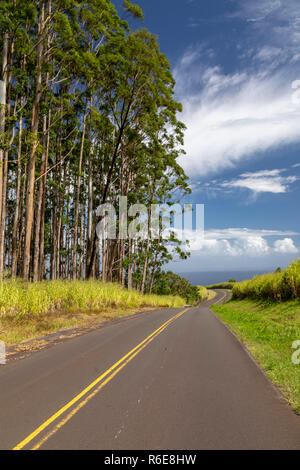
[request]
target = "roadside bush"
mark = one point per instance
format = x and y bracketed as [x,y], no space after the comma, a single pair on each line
[169,283]
[278,286]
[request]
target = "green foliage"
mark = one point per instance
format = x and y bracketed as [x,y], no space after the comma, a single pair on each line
[92,116]
[222,285]
[134,9]
[168,283]
[278,286]
[206,294]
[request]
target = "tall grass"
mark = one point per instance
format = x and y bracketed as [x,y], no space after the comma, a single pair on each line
[206,293]
[222,285]
[276,286]
[18,299]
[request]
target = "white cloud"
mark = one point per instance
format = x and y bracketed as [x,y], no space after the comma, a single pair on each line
[259,10]
[242,233]
[268,181]
[263,173]
[285,246]
[276,23]
[251,246]
[230,117]
[236,242]
[238,115]
[267,53]
[263,181]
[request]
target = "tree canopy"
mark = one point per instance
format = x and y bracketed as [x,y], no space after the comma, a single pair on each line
[87,115]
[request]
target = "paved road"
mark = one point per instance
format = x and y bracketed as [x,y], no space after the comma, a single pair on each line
[190,385]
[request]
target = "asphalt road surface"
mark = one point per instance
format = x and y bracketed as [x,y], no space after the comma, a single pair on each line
[169,379]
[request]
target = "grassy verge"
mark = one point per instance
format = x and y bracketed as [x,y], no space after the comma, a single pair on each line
[28,311]
[222,285]
[269,330]
[205,293]
[278,286]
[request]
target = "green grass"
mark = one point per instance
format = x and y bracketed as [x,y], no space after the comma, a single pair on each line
[279,286]
[222,285]
[205,293]
[31,310]
[268,330]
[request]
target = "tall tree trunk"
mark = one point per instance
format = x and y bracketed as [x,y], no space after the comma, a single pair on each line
[76,219]
[17,206]
[42,221]
[21,225]
[46,143]
[53,240]
[32,157]
[108,181]
[147,245]
[3,85]
[90,210]
[130,264]
[80,264]
[12,131]
[154,265]
[39,206]
[104,258]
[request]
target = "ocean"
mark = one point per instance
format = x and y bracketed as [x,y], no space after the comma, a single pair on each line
[215,277]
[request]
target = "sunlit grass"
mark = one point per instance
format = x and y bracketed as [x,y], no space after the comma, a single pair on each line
[269,330]
[280,286]
[33,309]
[222,285]
[206,294]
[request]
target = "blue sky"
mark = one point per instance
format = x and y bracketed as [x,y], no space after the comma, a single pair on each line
[236,64]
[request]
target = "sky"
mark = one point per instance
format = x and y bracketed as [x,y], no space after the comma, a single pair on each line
[237,70]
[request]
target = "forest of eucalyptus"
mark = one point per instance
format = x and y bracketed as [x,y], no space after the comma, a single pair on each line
[87,115]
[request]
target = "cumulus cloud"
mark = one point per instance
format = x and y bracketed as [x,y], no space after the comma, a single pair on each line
[235,242]
[251,246]
[265,181]
[285,246]
[244,233]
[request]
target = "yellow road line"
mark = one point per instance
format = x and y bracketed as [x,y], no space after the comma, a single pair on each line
[111,372]
[91,395]
[220,300]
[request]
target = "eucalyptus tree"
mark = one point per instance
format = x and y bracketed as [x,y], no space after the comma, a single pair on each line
[139,93]
[88,114]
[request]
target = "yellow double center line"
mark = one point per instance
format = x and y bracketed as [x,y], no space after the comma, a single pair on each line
[220,300]
[101,381]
